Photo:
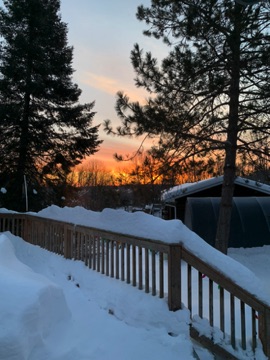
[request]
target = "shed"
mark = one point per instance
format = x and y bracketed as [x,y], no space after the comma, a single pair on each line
[174,199]
[197,205]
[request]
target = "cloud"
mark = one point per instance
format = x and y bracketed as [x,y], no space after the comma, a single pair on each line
[111,86]
[103,83]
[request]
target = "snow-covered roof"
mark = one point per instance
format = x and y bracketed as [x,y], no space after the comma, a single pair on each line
[191,188]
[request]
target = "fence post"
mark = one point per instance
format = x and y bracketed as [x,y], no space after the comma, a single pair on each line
[26,231]
[264,331]
[174,277]
[67,242]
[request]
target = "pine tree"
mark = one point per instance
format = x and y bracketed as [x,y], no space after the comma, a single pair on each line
[44,130]
[211,93]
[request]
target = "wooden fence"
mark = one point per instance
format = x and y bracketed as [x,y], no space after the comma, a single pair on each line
[236,319]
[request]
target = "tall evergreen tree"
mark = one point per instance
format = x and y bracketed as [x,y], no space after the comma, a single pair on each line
[211,93]
[44,131]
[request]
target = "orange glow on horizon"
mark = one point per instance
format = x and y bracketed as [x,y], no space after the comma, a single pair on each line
[105,154]
[111,145]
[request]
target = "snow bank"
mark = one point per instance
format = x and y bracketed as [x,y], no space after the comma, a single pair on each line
[31,306]
[110,319]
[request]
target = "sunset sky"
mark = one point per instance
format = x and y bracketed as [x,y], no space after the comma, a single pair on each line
[103,33]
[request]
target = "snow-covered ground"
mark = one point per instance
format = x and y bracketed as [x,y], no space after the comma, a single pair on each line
[57,309]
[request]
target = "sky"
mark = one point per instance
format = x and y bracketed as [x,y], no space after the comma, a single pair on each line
[103,34]
[66,311]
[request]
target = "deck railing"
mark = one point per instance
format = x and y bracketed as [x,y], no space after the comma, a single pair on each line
[236,319]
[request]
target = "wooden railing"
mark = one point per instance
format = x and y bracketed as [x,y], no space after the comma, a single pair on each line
[236,319]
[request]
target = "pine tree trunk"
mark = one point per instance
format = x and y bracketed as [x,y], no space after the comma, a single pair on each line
[24,141]
[225,212]
[22,163]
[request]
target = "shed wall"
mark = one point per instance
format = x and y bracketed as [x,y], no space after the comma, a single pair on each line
[250,224]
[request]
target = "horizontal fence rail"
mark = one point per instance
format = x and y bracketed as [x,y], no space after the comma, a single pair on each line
[234,316]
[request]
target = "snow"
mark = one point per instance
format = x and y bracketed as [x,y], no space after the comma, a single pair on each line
[170,231]
[30,304]
[52,308]
[58,309]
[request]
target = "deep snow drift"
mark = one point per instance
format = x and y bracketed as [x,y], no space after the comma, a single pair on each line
[57,309]
[32,307]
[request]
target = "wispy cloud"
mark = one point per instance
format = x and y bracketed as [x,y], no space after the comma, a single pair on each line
[111,86]
[103,83]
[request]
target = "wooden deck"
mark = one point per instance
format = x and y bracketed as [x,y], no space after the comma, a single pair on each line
[237,320]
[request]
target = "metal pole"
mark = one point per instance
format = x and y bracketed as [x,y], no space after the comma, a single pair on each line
[26,195]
